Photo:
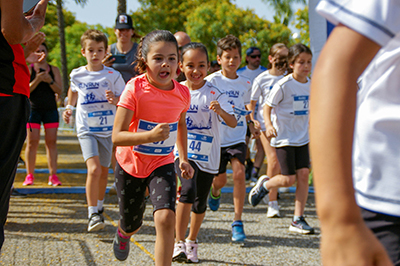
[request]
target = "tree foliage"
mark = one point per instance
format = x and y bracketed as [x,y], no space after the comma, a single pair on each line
[283,9]
[301,23]
[214,20]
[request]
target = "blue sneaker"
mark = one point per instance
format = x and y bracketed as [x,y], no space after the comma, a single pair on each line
[214,202]
[258,192]
[238,235]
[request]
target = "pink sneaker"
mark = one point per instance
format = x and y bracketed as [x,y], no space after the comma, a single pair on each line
[53,181]
[28,180]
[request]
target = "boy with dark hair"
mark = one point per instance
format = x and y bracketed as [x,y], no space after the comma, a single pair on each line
[233,140]
[95,89]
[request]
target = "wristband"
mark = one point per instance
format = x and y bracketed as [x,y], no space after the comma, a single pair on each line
[250,122]
[70,107]
[52,82]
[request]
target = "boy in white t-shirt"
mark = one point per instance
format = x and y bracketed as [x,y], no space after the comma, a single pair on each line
[233,140]
[354,133]
[95,89]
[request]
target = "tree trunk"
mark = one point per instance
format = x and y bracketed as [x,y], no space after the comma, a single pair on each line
[61,34]
[121,6]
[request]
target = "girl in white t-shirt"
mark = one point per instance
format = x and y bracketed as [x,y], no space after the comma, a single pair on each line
[289,134]
[208,106]
[262,85]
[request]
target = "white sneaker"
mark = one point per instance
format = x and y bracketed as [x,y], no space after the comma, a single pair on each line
[179,252]
[191,252]
[273,210]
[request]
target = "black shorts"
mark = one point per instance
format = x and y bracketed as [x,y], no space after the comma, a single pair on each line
[227,153]
[131,194]
[195,191]
[387,229]
[49,118]
[293,158]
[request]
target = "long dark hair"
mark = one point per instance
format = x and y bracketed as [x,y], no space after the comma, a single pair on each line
[146,41]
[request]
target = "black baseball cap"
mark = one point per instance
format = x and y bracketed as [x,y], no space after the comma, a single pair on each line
[123,21]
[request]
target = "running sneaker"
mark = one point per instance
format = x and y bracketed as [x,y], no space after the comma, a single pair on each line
[258,192]
[54,181]
[273,210]
[95,223]
[301,226]
[28,180]
[121,246]
[101,214]
[213,201]
[253,181]
[179,252]
[191,252]
[238,235]
[20,162]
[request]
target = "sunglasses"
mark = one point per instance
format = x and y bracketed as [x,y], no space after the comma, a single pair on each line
[255,56]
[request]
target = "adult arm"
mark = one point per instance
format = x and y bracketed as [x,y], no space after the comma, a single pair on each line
[345,238]
[17,28]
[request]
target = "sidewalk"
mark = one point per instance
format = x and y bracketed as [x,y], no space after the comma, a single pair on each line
[50,229]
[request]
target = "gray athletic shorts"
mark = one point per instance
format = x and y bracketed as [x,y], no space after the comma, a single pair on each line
[96,146]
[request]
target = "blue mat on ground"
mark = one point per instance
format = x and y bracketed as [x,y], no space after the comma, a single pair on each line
[81,190]
[72,171]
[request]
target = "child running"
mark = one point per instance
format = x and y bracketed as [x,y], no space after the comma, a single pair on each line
[95,90]
[208,103]
[261,87]
[233,140]
[289,133]
[150,119]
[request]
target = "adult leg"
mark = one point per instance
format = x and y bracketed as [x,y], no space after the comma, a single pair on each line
[218,183]
[51,149]
[14,115]
[32,144]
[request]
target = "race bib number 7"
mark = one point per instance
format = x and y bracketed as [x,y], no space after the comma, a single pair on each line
[159,148]
[300,105]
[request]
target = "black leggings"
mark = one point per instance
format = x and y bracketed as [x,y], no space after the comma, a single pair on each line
[195,190]
[131,194]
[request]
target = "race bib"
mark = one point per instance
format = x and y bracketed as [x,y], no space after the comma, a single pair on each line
[199,147]
[239,113]
[300,105]
[101,121]
[160,148]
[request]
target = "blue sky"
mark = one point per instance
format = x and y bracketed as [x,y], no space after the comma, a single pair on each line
[104,12]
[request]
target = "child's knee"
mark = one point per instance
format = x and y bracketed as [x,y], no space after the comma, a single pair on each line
[165,219]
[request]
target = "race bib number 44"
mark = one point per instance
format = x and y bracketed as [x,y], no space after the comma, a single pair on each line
[101,121]
[300,105]
[160,148]
[199,147]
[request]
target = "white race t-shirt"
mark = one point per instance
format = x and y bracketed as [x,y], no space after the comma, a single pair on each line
[94,115]
[249,73]
[204,126]
[290,100]
[238,92]
[262,85]
[376,151]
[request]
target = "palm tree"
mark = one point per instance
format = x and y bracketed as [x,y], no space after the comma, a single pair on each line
[283,9]
[61,34]
[121,6]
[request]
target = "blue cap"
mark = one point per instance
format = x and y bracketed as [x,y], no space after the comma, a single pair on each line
[251,50]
